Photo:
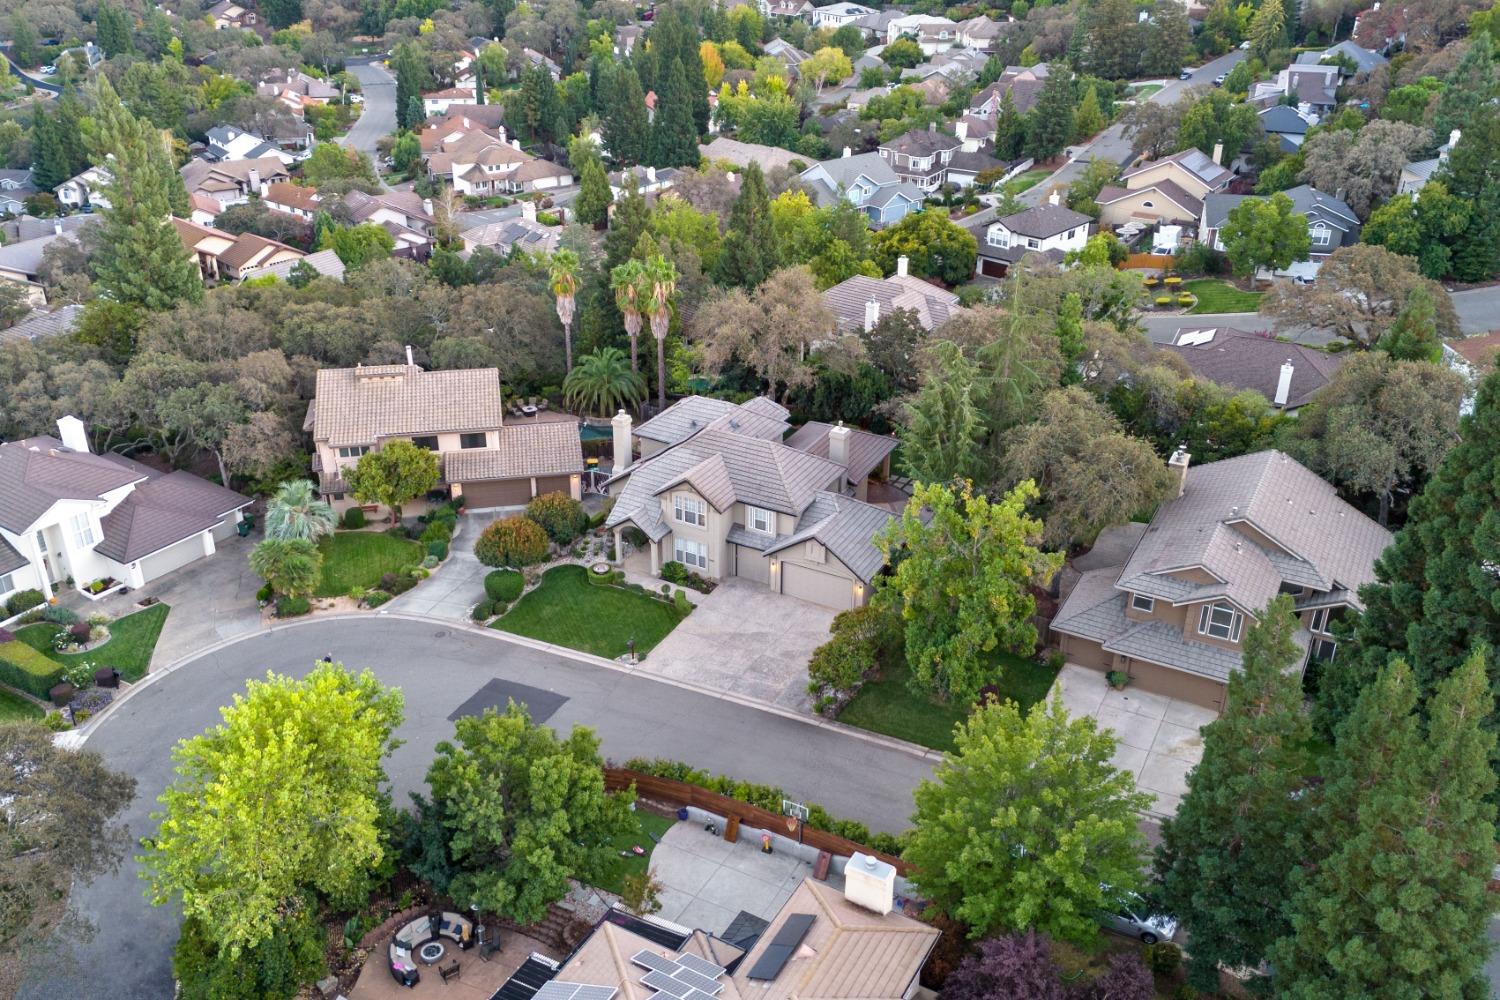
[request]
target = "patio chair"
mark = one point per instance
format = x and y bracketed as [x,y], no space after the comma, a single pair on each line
[542,403]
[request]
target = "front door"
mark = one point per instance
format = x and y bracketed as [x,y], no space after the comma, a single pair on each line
[49,559]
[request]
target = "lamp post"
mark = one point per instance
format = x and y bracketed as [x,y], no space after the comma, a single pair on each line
[478,927]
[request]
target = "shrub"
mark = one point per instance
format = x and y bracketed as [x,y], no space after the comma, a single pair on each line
[437,531]
[503,585]
[482,611]
[264,593]
[376,598]
[357,593]
[79,632]
[28,670]
[499,608]
[1185,299]
[56,722]
[396,583]
[511,541]
[674,572]
[59,614]
[1056,659]
[1164,300]
[90,701]
[418,573]
[681,603]
[354,518]
[437,551]
[430,562]
[1014,967]
[291,607]
[23,600]
[561,517]
[863,638]
[79,673]
[1163,958]
[1172,281]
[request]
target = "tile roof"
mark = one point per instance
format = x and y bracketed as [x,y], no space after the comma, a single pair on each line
[162,511]
[362,405]
[198,174]
[934,306]
[866,450]
[692,414]
[47,324]
[1239,360]
[846,527]
[250,247]
[325,262]
[293,195]
[525,449]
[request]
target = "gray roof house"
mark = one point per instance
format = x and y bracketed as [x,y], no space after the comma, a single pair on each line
[1050,230]
[40,325]
[1239,532]
[1288,375]
[1415,175]
[1365,60]
[1330,222]
[1287,124]
[868,181]
[859,302]
[717,489]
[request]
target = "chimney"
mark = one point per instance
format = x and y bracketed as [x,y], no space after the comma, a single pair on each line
[650,175]
[1054,198]
[901,265]
[71,432]
[1179,462]
[621,426]
[872,315]
[410,362]
[1219,153]
[1284,383]
[961,130]
[528,210]
[870,883]
[254,179]
[838,444]
[847,153]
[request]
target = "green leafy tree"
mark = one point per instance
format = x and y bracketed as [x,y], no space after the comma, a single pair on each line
[1049,125]
[1267,29]
[511,541]
[963,569]
[396,474]
[1264,234]
[934,246]
[295,511]
[357,245]
[594,196]
[903,53]
[942,424]
[750,252]
[290,566]
[827,65]
[1424,227]
[281,13]
[1025,824]
[524,811]
[24,42]
[602,383]
[674,136]
[1097,175]
[1216,119]
[279,966]
[276,806]
[1223,857]
[1414,335]
[331,162]
[406,152]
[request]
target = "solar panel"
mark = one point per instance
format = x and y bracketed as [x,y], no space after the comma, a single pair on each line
[556,990]
[698,995]
[666,984]
[702,966]
[698,981]
[781,948]
[651,960]
[594,993]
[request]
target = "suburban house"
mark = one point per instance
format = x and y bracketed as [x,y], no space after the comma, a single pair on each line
[627,36]
[835,15]
[820,945]
[1330,223]
[1313,89]
[741,154]
[482,162]
[717,489]
[1287,124]
[791,56]
[224,256]
[439,101]
[980,33]
[1239,532]
[1364,60]
[647,180]
[21,261]
[291,199]
[325,263]
[1288,375]
[67,514]
[15,187]
[1023,83]
[1415,175]
[933,34]
[860,301]
[536,58]
[784,8]
[296,90]
[868,181]
[406,215]
[41,325]
[921,156]
[225,142]
[232,182]
[456,413]
[954,65]
[228,14]
[501,237]
[1169,190]
[85,188]
[1050,229]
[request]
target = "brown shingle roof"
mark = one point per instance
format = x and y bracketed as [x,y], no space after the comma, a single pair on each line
[550,449]
[250,246]
[293,195]
[163,511]
[360,406]
[37,472]
[1239,360]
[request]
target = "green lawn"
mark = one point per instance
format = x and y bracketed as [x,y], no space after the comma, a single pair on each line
[1025,180]
[132,640]
[14,708]
[886,705]
[647,825]
[1215,296]
[1144,91]
[360,558]
[568,610]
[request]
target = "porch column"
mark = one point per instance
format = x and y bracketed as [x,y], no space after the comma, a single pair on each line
[208,543]
[620,544]
[39,561]
[655,557]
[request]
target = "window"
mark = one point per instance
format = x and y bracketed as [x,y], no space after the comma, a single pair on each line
[7,583]
[1148,204]
[1072,232]
[690,553]
[41,542]
[475,440]
[1324,650]
[1220,621]
[1322,620]
[353,452]
[83,531]
[761,520]
[689,509]
[1321,235]
[1034,244]
[1142,602]
[428,441]
[999,238]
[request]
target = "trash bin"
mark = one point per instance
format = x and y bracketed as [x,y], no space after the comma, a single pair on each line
[244,527]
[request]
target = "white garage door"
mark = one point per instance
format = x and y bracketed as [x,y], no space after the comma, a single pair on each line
[820,588]
[172,557]
[751,564]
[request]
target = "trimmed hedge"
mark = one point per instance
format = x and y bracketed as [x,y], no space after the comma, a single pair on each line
[482,611]
[354,518]
[291,607]
[503,585]
[512,541]
[27,669]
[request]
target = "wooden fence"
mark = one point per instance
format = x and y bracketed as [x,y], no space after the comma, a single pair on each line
[680,793]
[1147,260]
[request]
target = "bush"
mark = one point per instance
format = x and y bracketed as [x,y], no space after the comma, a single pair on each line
[23,600]
[499,608]
[503,585]
[437,531]
[437,551]
[1185,299]
[560,516]
[482,611]
[376,598]
[354,518]
[263,595]
[59,614]
[430,562]
[56,722]
[1164,300]
[79,632]
[511,541]
[674,572]
[27,670]
[681,603]
[419,573]
[863,639]
[291,607]
[1163,958]
[1199,258]
[396,583]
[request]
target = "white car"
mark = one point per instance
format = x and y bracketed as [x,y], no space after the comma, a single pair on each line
[1244,46]
[48,70]
[1132,916]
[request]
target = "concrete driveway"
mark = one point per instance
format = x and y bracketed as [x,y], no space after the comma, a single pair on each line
[1158,736]
[746,640]
[458,584]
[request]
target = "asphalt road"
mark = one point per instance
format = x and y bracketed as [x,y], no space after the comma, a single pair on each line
[439,669]
[378,117]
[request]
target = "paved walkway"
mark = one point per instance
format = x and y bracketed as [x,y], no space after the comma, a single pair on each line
[458,584]
[707,880]
[1158,736]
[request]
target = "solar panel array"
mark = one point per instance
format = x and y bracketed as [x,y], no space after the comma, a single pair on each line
[685,978]
[557,990]
[782,947]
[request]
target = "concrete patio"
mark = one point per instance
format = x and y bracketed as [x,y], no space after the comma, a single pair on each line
[708,880]
[1158,738]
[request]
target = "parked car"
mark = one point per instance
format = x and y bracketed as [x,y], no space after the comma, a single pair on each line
[1136,918]
[1186,74]
[48,70]
[1219,80]
[1244,46]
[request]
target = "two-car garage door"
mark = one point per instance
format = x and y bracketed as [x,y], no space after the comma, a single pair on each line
[831,591]
[511,492]
[172,557]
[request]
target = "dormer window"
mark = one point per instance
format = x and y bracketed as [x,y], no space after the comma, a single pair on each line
[1143,603]
[1221,621]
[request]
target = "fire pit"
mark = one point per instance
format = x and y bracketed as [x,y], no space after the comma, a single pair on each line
[431,952]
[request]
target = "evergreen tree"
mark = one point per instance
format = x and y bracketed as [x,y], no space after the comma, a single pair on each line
[749,255]
[1169,39]
[48,168]
[1414,335]
[1222,861]
[1267,29]
[631,217]
[1472,175]
[940,435]
[675,37]
[1114,43]
[1393,901]
[1050,124]
[112,30]
[1469,92]
[1010,130]
[23,41]
[535,113]
[1088,120]
[624,123]
[674,137]
[1070,336]
[594,196]
[411,80]
[281,13]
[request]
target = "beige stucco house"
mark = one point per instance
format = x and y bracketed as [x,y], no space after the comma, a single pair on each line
[1240,531]
[1169,190]
[722,489]
[458,414]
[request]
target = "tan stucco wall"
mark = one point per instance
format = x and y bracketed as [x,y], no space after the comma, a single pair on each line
[1118,213]
[1183,178]
[712,534]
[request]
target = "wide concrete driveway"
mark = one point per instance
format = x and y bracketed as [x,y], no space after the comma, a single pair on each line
[746,640]
[456,586]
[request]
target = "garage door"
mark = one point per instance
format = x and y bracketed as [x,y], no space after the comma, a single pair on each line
[819,588]
[497,493]
[751,564]
[553,484]
[992,268]
[172,557]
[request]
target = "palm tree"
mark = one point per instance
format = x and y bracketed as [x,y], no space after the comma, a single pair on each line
[603,383]
[563,274]
[294,511]
[626,282]
[660,282]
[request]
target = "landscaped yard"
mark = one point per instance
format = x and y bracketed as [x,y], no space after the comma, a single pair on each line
[1025,180]
[647,827]
[568,610]
[1145,90]
[360,558]
[886,705]
[14,708]
[132,640]
[1216,296]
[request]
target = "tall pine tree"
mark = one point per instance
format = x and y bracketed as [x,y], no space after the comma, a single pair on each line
[1010,129]
[1222,861]
[624,122]
[749,255]
[113,30]
[674,137]
[1049,126]
[631,217]
[1472,174]
[411,80]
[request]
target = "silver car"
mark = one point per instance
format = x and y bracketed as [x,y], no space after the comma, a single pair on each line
[1134,917]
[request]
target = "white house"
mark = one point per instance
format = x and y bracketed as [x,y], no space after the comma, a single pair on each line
[439,101]
[1415,175]
[1050,229]
[227,143]
[67,514]
[836,15]
[84,189]
[933,34]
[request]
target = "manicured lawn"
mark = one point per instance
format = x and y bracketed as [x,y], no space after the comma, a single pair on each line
[568,610]
[1144,91]
[360,558]
[1215,296]
[647,826]
[1025,180]
[14,708]
[132,640]
[886,705]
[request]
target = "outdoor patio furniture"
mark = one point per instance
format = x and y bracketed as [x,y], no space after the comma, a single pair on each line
[541,404]
[450,971]
[408,944]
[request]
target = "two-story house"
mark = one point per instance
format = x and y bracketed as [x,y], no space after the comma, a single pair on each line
[85,188]
[68,515]
[438,102]
[1024,85]
[1239,532]
[1050,229]
[1288,125]
[933,34]
[406,215]
[921,156]
[717,489]
[232,182]
[295,90]
[225,142]
[981,33]
[860,301]
[1168,190]
[1330,222]
[867,181]
[482,163]
[456,413]
[836,15]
